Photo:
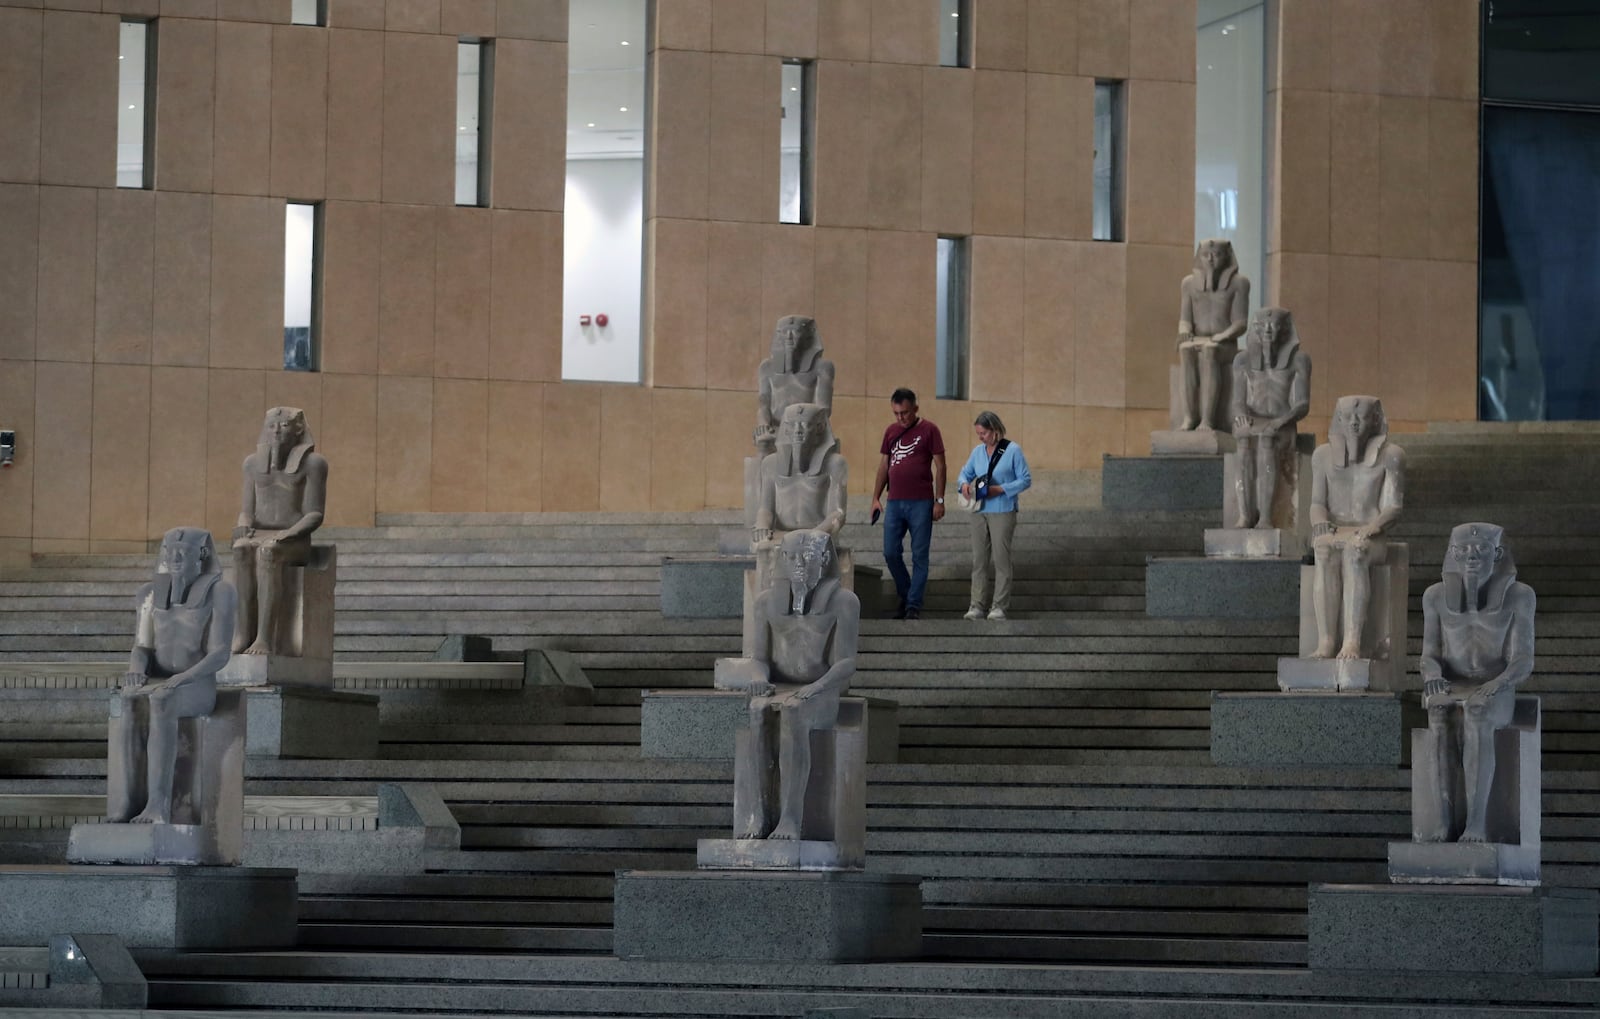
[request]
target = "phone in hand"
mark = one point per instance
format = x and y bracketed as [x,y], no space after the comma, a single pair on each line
[875,515]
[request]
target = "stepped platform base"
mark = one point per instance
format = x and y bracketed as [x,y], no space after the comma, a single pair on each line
[1161,482]
[287,721]
[1453,929]
[1251,543]
[1194,442]
[276,670]
[1457,863]
[1217,588]
[703,724]
[182,908]
[1309,730]
[767,916]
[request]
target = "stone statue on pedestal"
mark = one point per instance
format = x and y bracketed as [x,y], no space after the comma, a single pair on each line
[184,632]
[1477,645]
[1358,490]
[802,484]
[1271,391]
[285,495]
[1215,306]
[796,372]
[804,656]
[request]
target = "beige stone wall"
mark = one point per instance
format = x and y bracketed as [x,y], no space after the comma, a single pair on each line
[140,331]
[1070,337]
[1374,239]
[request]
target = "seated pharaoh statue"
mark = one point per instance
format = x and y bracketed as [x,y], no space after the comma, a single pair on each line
[804,655]
[283,613]
[1213,314]
[795,372]
[156,775]
[1357,490]
[1475,770]
[802,484]
[1271,392]
[1477,645]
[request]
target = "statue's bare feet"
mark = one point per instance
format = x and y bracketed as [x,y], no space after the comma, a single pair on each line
[788,831]
[1439,834]
[1324,650]
[258,648]
[1205,427]
[1349,652]
[750,832]
[150,816]
[1265,524]
[1243,523]
[1474,833]
[1189,424]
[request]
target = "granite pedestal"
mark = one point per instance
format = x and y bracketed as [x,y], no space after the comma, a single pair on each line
[290,721]
[703,725]
[1217,588]
[1144,483]
[185,908]
[704,587]
[1453,929]
[767,916]
[1307,730]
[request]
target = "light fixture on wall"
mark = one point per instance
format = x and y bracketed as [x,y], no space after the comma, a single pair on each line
[8,447]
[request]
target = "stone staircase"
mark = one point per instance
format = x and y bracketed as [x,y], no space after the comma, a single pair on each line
[1054,788]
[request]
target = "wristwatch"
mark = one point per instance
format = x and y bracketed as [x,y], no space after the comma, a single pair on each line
[940,500]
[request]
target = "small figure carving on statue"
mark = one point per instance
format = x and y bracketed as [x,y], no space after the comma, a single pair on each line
[183,636]
[1271,391]
[285,494]
[804,656]
[796,372]
[1216,304]
[1357,492]
[1477,645]
[802,484]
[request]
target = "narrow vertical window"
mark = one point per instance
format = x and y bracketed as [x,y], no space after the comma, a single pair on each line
[1109,135]
[474,71]
[1230,132]
[602,268]
[302,260]
[135,104]
[955,33]
[309,12]
[951,318]
[794,144]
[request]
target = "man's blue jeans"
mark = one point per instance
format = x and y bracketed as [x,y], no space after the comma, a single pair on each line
[900,516]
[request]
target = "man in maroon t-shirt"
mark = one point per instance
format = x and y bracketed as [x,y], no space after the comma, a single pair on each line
[912,468]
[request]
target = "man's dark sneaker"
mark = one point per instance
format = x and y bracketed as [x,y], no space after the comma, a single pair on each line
[913,612]
[900,611]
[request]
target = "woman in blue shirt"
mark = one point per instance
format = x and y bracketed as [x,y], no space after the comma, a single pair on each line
[994,475]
